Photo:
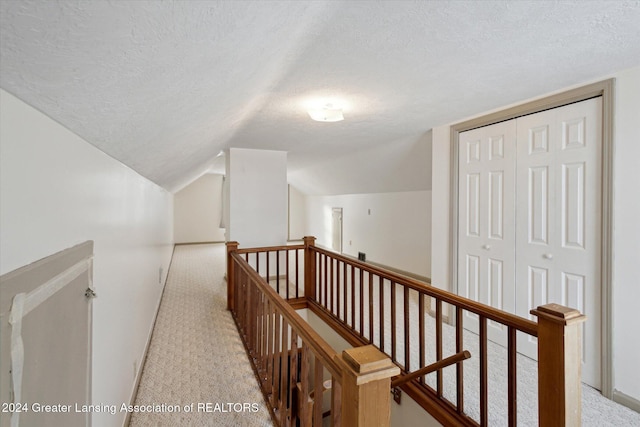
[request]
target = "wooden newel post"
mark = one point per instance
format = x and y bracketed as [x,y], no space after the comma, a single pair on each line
[309,267]
[231,247]
[559,365]
[366,387]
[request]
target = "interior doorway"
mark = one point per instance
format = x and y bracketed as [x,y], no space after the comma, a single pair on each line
[336,229]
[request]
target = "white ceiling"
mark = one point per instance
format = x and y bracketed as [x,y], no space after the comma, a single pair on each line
[164,86]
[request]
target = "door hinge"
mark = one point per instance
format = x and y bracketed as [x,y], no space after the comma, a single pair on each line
[89,293]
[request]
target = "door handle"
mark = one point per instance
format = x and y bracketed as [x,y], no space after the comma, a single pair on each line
[486,247]
[547,256]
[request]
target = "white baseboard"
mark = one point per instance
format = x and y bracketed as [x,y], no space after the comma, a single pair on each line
[625,400]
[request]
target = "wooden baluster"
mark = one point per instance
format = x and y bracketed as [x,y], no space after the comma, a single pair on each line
[439,345]
[326,284]
[381,305]
[272,353]
[484,391]
[336,403]
[559,365]
[345,304]
[231,247]
[393,321]
[278,272]
[338,290]
[459,365]
[309,267]
[266,261]
[275,396]
[332,295]
[421,331]
[267,338]
[261,335]
[407,350]
[258,262]
[284,373]
[512,383]
[317,393]
[248,317]
[293,376]
[241,305]
[370,308]
[297,273]
[366,381]
[352,286]
[320,280]
[286,282]
[361,287]
[303,398]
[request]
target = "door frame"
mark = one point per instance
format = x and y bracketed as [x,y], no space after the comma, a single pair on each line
[334,210]
[604,89]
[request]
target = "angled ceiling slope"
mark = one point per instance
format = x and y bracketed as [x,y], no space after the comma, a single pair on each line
[164,86]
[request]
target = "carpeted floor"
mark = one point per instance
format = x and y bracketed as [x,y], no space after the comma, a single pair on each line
[196,356]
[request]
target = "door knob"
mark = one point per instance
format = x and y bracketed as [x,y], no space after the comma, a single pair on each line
[547,256]
[487,247]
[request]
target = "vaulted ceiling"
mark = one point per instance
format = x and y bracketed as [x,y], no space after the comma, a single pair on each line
[164,86]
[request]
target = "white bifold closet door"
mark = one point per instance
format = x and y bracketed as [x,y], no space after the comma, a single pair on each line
[548,248]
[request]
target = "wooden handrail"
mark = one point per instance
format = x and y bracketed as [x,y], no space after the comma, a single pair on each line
[458,357]
[491,313]
[337,288]
[269,249]
[318,346]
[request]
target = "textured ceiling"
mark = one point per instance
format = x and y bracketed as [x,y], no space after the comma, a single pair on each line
[164,86]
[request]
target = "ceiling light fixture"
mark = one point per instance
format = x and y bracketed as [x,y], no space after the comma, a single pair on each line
[328,113]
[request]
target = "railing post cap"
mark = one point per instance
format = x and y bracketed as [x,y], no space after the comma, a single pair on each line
[232,243]
[559,314]
[368,364]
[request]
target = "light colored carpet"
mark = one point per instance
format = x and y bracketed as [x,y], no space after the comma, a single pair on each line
[196,355]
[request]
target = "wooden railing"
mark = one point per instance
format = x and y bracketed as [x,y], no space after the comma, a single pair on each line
[302,378]
[409,321]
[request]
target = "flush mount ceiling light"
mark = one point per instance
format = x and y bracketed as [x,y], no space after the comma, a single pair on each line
[328,113]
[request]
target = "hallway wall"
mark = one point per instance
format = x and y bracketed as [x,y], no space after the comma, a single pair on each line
[197,211]
[390,228]
[57,190]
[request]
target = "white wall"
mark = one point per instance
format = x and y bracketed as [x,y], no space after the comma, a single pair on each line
[257,197]
[626,236]
[390,228]
[197,211]
[398,165]
[56,190]
[297,213]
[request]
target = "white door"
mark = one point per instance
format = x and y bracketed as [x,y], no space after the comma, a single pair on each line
[336,229]
[529,224]
[558,220]
[486,231]
[45,316]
